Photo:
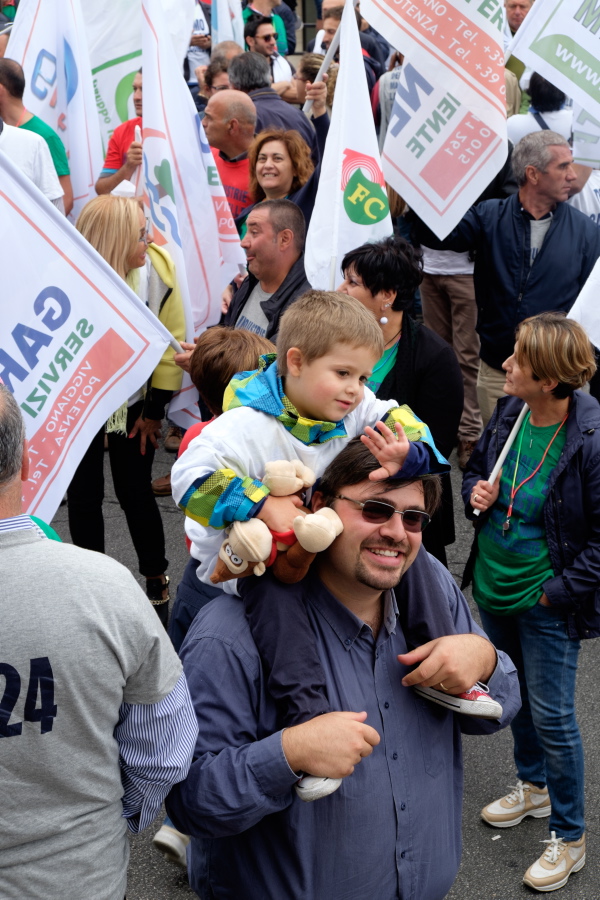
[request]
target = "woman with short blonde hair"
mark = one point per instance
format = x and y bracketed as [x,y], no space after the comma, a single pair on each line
[535,567]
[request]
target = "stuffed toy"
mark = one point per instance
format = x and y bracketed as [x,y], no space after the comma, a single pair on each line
[251,546]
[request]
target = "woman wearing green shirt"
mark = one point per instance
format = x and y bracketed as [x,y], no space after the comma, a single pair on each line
[535,567]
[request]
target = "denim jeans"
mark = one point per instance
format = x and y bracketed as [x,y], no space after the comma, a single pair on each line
[548,748]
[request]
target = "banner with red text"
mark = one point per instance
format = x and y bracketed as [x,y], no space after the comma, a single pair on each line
[75,342]
[50,42]
[446,138]
[189,212]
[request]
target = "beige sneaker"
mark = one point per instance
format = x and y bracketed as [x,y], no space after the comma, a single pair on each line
[552,869]
[525,799]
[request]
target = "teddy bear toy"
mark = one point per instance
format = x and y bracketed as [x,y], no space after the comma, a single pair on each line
[251,546]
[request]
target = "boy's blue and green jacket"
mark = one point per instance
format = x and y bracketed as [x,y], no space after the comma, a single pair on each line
[218,479]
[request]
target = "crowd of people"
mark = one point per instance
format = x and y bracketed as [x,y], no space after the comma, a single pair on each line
[298,703]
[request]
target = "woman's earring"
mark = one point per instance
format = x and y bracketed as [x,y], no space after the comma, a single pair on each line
[383,320]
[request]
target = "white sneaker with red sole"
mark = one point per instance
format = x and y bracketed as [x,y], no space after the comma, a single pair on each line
[475,702]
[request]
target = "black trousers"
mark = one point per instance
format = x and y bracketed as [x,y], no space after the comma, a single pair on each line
[132,479]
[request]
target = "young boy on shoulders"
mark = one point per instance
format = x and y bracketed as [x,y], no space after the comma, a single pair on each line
[305,405]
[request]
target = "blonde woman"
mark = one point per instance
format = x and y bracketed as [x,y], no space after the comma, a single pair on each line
[117,229]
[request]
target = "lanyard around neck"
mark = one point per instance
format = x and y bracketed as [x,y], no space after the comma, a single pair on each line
[514,490]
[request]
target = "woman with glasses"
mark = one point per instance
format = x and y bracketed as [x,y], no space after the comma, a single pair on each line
[417,367]
[535,569]
[117,229]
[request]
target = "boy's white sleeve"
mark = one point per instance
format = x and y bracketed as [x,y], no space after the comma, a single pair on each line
[369,411]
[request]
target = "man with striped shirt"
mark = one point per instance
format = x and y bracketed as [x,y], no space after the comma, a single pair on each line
[95,714]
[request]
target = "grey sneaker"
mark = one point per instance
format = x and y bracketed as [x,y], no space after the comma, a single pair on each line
[525,799]
[560,858]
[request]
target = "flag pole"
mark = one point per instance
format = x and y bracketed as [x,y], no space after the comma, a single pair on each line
[331,51]
[510,441]
[174,343]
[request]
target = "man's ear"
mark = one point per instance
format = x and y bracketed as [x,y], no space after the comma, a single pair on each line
[317,501]
[531,174]
[294,361]
[285,238]
[25,464]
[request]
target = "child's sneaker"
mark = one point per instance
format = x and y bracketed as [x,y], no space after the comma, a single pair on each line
[475,702]
[311,787]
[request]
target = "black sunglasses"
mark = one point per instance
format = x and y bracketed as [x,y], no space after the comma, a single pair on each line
[376,512]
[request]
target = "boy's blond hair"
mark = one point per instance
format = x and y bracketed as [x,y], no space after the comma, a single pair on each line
[320,319]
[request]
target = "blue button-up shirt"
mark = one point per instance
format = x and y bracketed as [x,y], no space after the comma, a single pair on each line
[392,830]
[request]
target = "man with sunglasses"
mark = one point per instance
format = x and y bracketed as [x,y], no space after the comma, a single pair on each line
[393,829]
[261,37]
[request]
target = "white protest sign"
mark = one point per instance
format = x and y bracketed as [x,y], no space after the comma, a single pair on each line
[189,211]
[75,343]
[586,137]
[559,39]
[351,206]
[49,41]
[586,309]
[227,22]
[447,134]
[114,29]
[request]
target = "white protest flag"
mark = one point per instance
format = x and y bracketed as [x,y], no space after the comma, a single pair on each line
[235,8]
[49,41]
[227,23]
[189,212]
[559,39]
[75,342]
[586,137]
[351,205]
[447,134]
[114,30]
[586,309]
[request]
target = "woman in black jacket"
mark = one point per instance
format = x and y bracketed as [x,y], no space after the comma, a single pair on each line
[418,367]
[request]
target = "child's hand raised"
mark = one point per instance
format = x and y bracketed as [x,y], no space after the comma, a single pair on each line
[390,451]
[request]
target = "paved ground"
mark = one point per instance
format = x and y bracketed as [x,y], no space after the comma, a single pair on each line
[491,869]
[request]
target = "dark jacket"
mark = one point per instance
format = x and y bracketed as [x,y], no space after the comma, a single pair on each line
[571,509]
[507,288]
[428,378]
[293,286]
[273,112]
